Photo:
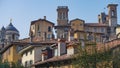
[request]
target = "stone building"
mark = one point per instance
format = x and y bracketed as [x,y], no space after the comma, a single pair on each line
[62,26]
[118,31]
[110,20]
[42,29]
[8,34]
[103,31]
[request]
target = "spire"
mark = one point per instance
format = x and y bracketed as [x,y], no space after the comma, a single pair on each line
[11,20]
[3,28]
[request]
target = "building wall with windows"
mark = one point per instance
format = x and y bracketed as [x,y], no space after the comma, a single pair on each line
[118,32]
[77,24]
[28,57]
[11,55]
[31,54]
[79,35]
[83,30]
[42,28]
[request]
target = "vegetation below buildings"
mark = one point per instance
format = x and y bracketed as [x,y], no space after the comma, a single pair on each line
[10,65]
[92,58]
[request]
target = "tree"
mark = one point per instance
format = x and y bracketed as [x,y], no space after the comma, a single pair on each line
[89,57]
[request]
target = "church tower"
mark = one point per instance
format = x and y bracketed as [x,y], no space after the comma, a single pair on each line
[2,36]
[62,17]
[112,18]
[62,22]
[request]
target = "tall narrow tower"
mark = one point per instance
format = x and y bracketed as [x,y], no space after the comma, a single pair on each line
[62,17]
[62,22]
[112,15]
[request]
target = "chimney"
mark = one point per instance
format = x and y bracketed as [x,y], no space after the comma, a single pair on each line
[31,37]
[61,47]
[45,17]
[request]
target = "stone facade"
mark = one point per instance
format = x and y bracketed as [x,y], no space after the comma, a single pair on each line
[62,22]
[118,31]
[42,28]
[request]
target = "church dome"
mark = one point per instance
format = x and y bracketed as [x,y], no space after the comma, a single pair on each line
[10,27]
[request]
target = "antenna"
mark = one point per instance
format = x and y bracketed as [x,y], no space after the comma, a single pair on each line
[104,9]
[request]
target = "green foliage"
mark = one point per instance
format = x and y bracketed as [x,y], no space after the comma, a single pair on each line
[16,65]
[4,65]
[91,58]
[11,65]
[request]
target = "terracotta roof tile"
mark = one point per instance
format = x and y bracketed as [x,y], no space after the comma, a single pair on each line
[96,24]
[33,22]
[56,58]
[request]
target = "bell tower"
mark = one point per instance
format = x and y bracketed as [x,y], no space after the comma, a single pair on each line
[62,22]
[112,18]
[62,16]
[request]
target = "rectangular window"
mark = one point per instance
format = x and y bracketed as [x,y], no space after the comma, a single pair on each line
[39,33]
[30,51]
[38,28]
[26,64]
[31,62]
[102,30]
[81,24]
[49,29]
[49,36]
[95,29]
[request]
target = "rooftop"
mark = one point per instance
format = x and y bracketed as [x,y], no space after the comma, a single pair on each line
[33,22]
[96,24]
[59,7]
[10,27]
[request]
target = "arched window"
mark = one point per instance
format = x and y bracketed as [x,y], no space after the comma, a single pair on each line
[13,37]
[113,13]
[63,15]
[49,29]
[60,15]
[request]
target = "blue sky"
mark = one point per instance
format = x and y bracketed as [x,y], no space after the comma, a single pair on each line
[23,12]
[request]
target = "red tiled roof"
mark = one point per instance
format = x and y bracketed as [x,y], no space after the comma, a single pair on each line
[79,31]
[33,22]
[62,26]
[38,40]
[96,24]
[88,32]
[100,47]
[57,58]
[76,19]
